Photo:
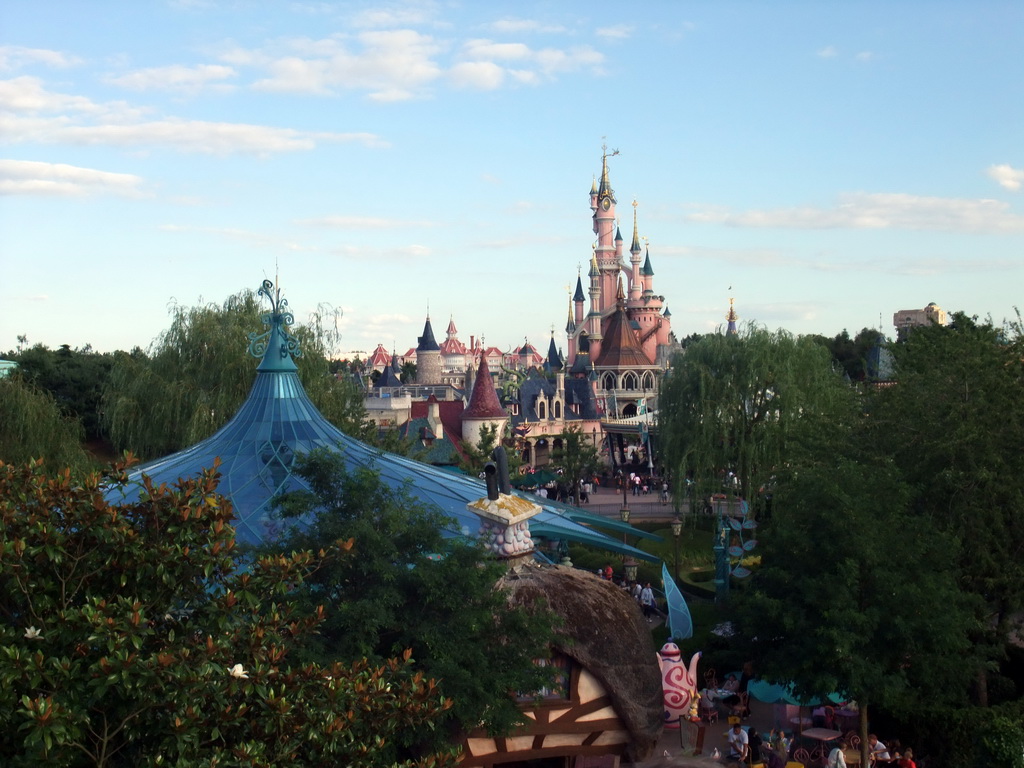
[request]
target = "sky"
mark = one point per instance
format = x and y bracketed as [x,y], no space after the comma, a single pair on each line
[824,164]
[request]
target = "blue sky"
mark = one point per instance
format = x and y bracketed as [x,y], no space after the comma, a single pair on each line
[823,163]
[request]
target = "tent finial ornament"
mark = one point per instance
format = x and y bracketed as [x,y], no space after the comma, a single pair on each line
[277,318]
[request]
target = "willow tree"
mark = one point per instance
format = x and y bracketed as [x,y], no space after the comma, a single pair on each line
[197,373]
[33,426]
[729,404]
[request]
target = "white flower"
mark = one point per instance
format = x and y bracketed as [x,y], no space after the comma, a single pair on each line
[238,671]
[33,634]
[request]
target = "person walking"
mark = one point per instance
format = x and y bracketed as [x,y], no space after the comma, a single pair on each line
[647,600]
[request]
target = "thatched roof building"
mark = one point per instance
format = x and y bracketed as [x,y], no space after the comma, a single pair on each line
[612,701]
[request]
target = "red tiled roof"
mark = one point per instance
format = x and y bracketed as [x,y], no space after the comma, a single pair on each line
[483,403]
[450,412]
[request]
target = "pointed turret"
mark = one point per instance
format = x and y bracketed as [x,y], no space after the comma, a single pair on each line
[484,408]
[428,357]
[578,296]
[605,188]
[635,245]
[732,317]
[554,362]
[647,270]
[426,342]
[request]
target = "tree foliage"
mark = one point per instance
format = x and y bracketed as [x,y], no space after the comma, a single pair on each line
[577,458]
[730,404]
[130,637]
[412,586]
[954,426]
[475,457]
[854,593]
[33,426]
[197,374]
[74,377]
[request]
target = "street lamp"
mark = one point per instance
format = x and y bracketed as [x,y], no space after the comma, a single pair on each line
[677,529]
[624,512]
[721,557]
[629,564]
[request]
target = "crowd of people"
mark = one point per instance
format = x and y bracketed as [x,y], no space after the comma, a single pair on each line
[746,746]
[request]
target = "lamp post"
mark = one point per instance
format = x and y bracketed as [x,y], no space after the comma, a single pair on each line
[721,557]
[677,529]
[627,562]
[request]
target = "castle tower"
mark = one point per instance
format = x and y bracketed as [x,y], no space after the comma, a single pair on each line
[731,317]
[428,357]
[484,409]
[628,329]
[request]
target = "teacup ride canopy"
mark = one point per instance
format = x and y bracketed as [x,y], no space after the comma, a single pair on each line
[259,446]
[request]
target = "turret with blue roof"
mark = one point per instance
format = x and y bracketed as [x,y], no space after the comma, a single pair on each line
[277,423]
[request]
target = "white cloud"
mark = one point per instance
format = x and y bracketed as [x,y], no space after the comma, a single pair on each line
[261,239]
[516,26]
[482,75]
[879,211]
[617,32]
[864,56]
[80,121]
[26,177]
[1006,176]
[392,17]
[16,56]
[28,95]
[485,63]
[828,52]
[487,49]
[363,222]
[390,64]
[175,78]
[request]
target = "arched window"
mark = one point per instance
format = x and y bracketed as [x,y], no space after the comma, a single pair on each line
[629,410]
[608,381]
[629,380]
[648,380]
[557,409]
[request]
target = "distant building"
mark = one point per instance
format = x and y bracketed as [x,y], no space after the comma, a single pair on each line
[7,367]
[906,319]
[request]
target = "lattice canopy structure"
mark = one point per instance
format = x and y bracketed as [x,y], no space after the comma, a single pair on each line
[278,423]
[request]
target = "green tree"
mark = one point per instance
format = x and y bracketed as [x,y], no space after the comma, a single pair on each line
[578,458]
[197,374]
[33,426]
[75,378]
[412,585]
[854,593]
[730,403]
[475,457]
[851,354]
[131,637]
[954,425]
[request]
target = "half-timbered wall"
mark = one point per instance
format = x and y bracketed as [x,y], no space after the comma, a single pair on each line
[584,724]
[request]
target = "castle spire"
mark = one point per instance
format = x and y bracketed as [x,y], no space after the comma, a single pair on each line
[605,188]
[635,247]
[732,317]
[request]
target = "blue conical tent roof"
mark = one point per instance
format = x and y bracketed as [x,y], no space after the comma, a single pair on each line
[278,422]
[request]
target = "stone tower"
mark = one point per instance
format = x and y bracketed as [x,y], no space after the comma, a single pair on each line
[428,357]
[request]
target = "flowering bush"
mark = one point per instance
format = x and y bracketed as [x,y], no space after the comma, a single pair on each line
[131,637]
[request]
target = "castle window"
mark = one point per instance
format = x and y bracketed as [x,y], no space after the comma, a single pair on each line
[542,411]
[629,381]
[557,408]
